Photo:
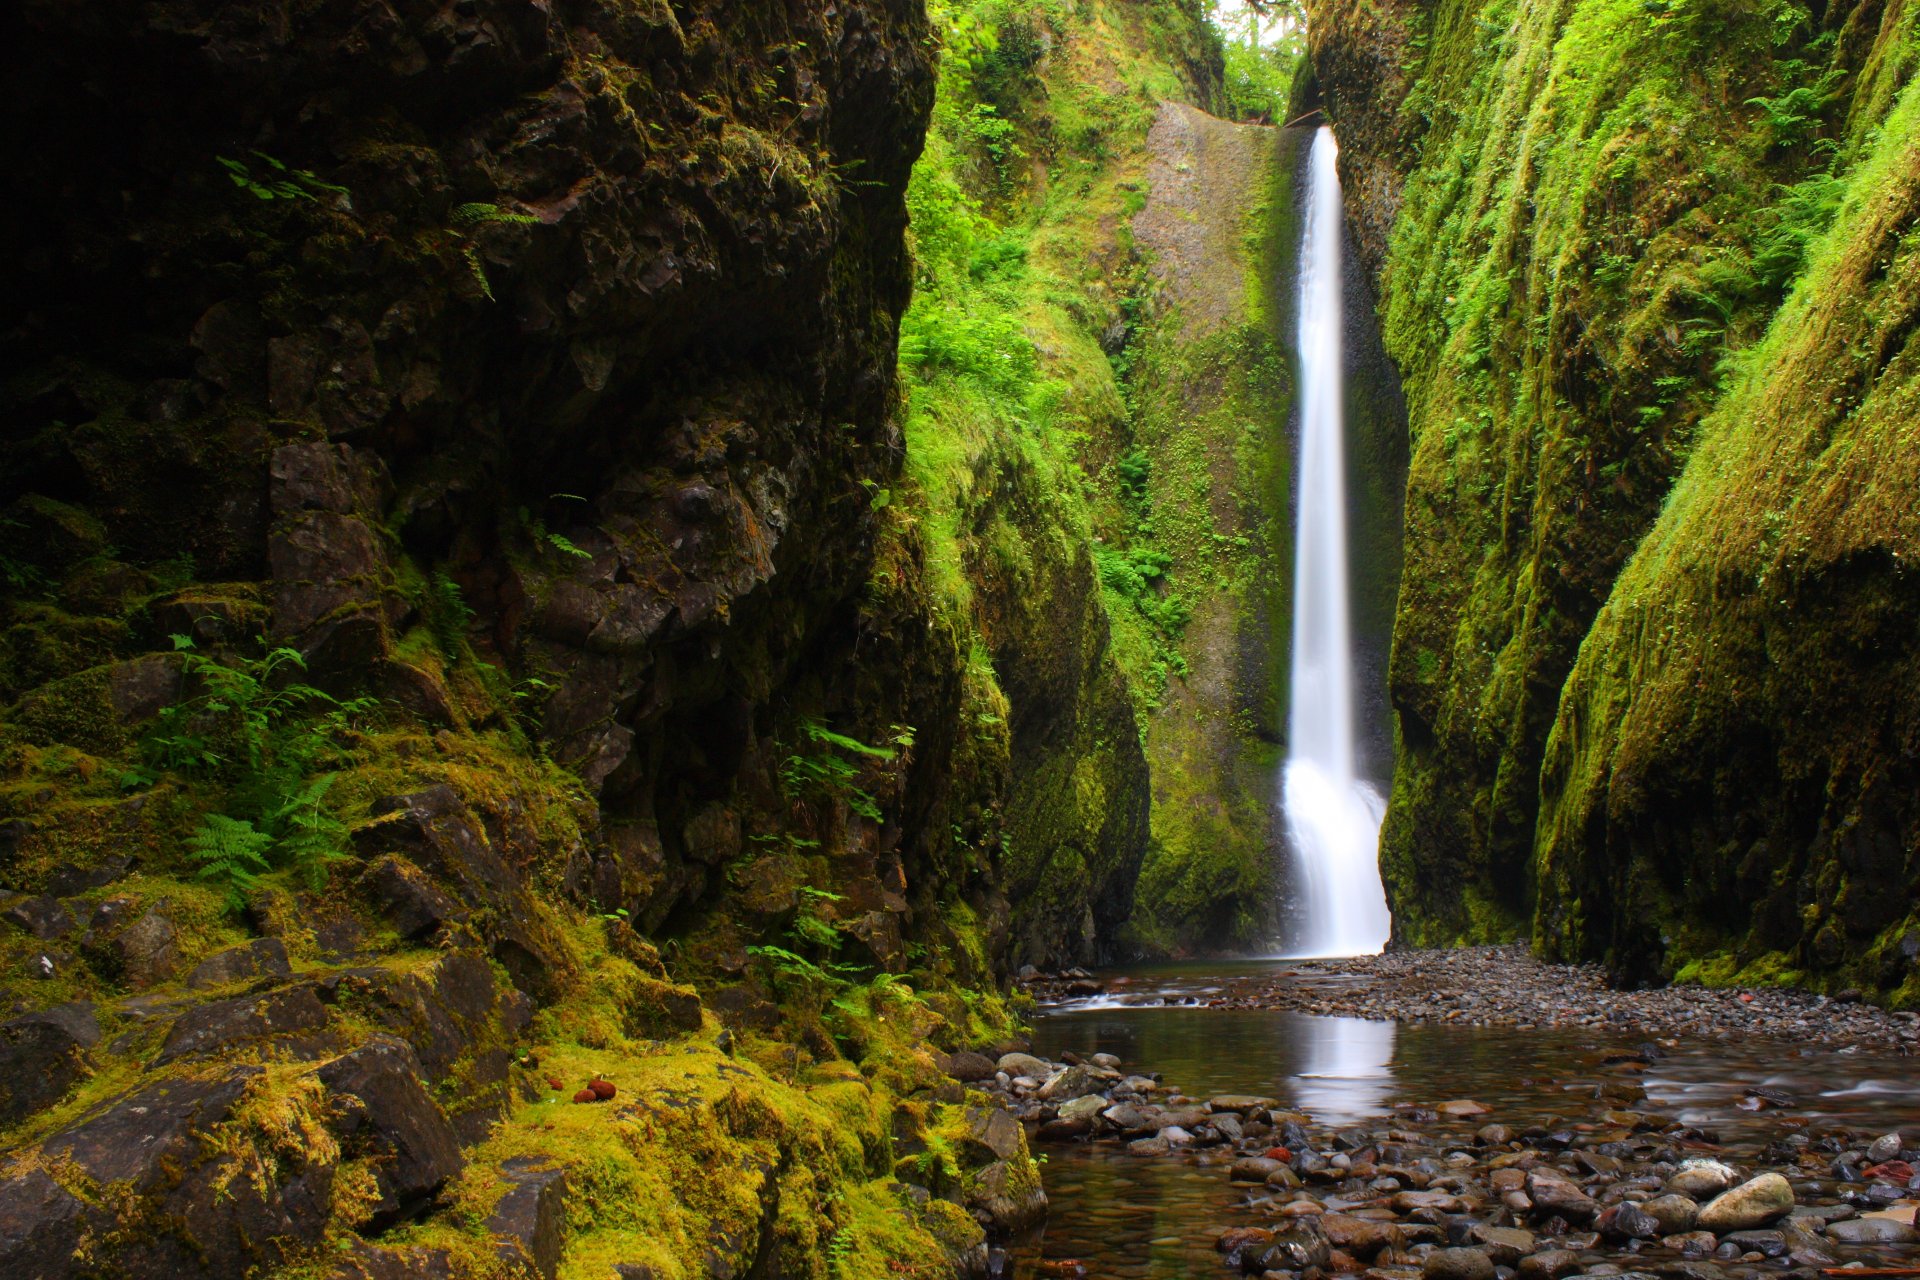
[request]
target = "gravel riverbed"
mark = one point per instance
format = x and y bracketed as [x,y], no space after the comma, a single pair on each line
[1448,1190]
[1508,986]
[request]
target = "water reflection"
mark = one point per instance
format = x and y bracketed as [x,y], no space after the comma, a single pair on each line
[1346,1069]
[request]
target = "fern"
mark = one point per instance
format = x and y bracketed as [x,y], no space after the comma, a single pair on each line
[231,853]
[277,180]
[448,615]
[309,838]
[476,214]
[563,544]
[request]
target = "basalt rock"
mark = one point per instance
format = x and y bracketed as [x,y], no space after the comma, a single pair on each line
[42,1056]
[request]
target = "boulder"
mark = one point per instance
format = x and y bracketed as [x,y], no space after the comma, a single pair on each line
[968,1066]
[1627,1221]
[1751,1204]
[1674,1213]
[261,958]
[1074,1082]
[229,1211]
[382,1262]
[40,1226]
[1457,1264]
[1303,1244]
[1701,1179]
[221,1024]
[45,917]
[1024,1064]
[1008,1194]
[146,950]
[992,1134]
[436,831]
[42,1056]
[1505,1245]
[1872,1231]
[1253,1169]
[530,1219]
[1549,1264]
[384,1114]
[412,903]
[1552,1194]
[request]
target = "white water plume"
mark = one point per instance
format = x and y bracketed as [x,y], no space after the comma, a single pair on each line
[1333,816]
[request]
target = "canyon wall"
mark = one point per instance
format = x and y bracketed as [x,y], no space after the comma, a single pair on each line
[1648,273]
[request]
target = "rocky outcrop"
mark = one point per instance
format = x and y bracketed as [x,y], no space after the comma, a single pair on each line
[1607,740]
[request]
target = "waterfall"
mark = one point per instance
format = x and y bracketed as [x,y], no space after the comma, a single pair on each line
[1332,816]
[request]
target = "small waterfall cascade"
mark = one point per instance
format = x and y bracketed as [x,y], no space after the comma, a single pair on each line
[1332,815]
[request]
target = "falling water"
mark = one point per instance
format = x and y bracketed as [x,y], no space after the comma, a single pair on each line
[1333,817]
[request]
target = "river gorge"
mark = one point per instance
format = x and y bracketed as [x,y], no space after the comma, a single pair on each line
[854,639]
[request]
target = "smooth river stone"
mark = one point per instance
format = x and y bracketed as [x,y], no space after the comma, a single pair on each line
[1872,1231]
[1751,1204]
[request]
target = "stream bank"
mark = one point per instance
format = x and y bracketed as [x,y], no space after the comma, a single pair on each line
[1276,1141]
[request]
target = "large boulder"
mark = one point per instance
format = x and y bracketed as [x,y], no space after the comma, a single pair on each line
[384,1114]
[42,1055]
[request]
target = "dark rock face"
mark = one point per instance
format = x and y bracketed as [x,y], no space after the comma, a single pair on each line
[261,958]
[222,1025]
[227,1212]
[387,1116]
[42,1055]
[530,1218]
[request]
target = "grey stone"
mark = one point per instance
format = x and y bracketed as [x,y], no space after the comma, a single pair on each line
[993,1133]
[147,950]
[1883,1148]
[1701,1179]
[1024,1064]
[1549,1264]
[1872,1231]
[1674,1213]
[1553,1194]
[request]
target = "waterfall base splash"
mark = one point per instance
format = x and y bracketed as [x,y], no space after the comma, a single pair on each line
[1334,826]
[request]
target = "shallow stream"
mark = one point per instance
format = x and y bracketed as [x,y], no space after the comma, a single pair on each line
[1158,1217]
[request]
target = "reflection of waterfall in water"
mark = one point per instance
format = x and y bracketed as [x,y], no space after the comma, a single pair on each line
[1333,817]
[1346,1069]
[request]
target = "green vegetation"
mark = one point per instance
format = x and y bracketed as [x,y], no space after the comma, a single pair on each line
[266,740]
[1614,262]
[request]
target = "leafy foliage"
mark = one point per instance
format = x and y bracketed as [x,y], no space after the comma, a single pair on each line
[231,853]
[266,738]
[275,180]
[829,764]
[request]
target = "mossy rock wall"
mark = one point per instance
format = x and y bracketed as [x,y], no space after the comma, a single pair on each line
[527,374]
[1593,223]
[1214,387]
[1018,353]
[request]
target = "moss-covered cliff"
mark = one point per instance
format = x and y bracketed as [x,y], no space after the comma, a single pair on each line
[443,556]
[1586,217]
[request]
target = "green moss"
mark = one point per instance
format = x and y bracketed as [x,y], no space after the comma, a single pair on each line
[1605,205]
